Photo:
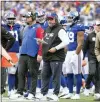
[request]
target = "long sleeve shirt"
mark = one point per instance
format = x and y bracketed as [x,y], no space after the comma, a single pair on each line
[64,38]
[89,46]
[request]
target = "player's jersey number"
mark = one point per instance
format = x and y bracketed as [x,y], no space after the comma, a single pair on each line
[15,34]
[71,36]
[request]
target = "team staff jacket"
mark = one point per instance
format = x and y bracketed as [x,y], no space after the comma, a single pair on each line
[7,40]
[29,44]
[89,46]
[53,38]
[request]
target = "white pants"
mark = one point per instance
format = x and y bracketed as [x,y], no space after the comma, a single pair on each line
[76,67]
[85,69]
[12,70]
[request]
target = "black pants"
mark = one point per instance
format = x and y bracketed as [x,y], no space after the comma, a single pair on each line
[97,79]
[92,70]
[27,63]
[53,69]
[16,79]
[3,79]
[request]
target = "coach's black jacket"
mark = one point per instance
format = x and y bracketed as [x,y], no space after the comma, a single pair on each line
[7,40]
[51,37]
[89,46]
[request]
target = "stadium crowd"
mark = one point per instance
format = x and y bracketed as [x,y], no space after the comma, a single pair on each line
[88,10]
[55,44]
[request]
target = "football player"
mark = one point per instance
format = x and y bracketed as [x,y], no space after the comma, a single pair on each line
[14,29]
[75,32]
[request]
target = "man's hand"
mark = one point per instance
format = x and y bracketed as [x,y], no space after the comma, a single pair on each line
[9,58]
[52,50]
[39,58]
[40,41]
[84,63]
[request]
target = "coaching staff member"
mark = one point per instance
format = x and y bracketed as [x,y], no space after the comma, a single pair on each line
[97,53]
[53,55]
[30,54]
[89,46]
[7,41]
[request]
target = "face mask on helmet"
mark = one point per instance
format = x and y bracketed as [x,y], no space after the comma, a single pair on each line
[40,17]
[11,21]
[10,18]
[73,16]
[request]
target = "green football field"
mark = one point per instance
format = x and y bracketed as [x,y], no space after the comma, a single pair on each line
[83,99]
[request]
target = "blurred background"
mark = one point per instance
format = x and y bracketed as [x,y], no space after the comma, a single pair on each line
[89,11]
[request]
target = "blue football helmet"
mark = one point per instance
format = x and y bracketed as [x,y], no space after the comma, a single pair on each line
[73,17]
[40,16]
[10,17]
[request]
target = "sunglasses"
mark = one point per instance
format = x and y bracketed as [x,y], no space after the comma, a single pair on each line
[98,24]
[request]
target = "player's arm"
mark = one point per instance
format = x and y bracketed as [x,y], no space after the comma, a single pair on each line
[80,40]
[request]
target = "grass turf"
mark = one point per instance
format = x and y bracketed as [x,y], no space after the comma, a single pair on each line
[83,99]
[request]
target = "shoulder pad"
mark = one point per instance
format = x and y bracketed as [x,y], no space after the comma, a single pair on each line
[80,27]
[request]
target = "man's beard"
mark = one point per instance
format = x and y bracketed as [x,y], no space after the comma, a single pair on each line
[29,23]
[51,24]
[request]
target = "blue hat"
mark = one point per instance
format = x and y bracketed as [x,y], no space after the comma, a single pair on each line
[52,15]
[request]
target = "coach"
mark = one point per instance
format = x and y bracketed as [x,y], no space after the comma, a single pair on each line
[30,54]
[7,41]
[97,52]
[53,55]
[89,46]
